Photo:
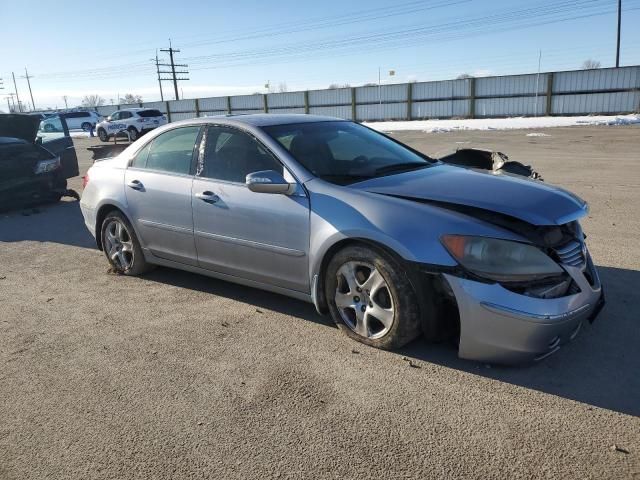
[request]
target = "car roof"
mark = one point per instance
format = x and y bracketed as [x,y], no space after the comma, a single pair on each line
[263,119]
[135,109]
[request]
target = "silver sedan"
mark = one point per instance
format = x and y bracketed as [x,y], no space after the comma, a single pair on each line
[389,242]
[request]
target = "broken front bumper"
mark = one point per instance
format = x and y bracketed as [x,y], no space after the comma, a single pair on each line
[500,326]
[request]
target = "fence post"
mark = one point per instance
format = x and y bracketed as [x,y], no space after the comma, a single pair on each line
[197,107]
[353,104]
[266,104]
[168,111]
[228,105]
[549,93]
[306,102]
[472,98]
[409,100]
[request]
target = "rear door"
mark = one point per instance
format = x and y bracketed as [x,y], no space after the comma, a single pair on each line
[257,236]
[53,135]
[158,189]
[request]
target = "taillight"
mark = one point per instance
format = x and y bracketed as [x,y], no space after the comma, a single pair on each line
[85,181]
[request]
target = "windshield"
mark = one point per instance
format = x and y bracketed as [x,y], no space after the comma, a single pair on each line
[345,152]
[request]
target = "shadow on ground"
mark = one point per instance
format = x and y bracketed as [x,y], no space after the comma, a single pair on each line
[600,368]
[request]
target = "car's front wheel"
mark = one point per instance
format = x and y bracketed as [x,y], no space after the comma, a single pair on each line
[371,298]
[121,246]
[86,126]
[102,135]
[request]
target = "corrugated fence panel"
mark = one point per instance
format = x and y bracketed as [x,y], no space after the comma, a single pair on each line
[285,100]
[247,102]
[246,112]
[444,89]
[336,96]
[338,111]
[212,104]
[385,93]
[601,79]
[129,105]
[440,109]
[162,106]
[386,111]
[512,85]
[188,105]
[106,110]
[283,111]
[617,102]
[503,107]
[182,116]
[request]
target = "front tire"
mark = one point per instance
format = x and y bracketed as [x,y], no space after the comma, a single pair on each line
[102,135]
[371,299]
[121,246]
[86,126]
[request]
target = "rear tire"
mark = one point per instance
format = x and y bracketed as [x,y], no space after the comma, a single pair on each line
[121,246]
[86,126]
[102,135]
[371,298]
[133,134]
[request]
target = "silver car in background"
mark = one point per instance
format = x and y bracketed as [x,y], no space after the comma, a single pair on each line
[389,242]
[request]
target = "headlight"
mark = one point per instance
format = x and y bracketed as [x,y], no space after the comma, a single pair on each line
[45,166]
[500,260]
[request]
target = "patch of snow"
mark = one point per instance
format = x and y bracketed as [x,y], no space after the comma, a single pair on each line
[538,134]
[78,134]
[439,126]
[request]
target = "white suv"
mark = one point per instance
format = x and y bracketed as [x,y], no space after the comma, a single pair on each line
[135,121]
[75,121]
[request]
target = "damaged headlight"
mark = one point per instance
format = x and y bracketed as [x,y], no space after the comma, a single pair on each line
[500,260]
[45,166]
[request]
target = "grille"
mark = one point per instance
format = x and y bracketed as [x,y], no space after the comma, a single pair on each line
[571,253]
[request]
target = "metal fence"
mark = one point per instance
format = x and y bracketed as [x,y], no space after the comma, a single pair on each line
[579,92]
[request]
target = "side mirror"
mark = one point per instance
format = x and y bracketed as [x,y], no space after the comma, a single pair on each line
[269,181]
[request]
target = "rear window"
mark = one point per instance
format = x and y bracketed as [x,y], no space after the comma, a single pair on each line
[150,113]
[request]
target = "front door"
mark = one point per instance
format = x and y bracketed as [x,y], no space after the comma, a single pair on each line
[257,236]
[158,189]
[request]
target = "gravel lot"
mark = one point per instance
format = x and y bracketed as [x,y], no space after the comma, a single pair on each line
[175,375]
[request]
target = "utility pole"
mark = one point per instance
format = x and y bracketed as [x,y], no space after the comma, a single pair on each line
[66,106]
[26,75]
[16,87]
[173,71]
[618,43]
[159,79]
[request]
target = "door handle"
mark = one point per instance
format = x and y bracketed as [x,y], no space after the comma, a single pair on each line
[208,197]
[135,184]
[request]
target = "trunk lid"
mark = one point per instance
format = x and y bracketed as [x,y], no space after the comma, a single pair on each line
[15,125]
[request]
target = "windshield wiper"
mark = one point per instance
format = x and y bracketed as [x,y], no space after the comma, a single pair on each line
[400,167]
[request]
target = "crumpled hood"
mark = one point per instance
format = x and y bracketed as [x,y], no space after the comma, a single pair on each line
[15,125]
[531,201]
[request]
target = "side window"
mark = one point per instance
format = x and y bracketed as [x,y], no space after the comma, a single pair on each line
[124,115]
[115,116]
[172,151]
[231,154]
[140,160]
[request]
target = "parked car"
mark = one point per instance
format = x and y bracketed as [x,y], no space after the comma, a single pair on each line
[386,240]
[34,165]
[75,121]
[134,121]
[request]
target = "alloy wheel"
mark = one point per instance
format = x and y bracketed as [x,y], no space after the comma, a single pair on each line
[364,300]
[118,245]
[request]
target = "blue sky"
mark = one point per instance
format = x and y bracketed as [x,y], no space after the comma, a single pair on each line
[77,48]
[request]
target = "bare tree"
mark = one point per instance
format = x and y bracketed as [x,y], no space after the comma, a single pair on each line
[131,98]
[92,101]
[282,87]
[591,64]
[462,76]
[335,86]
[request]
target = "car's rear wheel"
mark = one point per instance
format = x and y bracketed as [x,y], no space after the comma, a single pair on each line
[133,134]
[121,246]
[371,299]
[102,135]
[86,126]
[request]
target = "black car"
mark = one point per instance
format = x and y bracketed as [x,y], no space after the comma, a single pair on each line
[34,164]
